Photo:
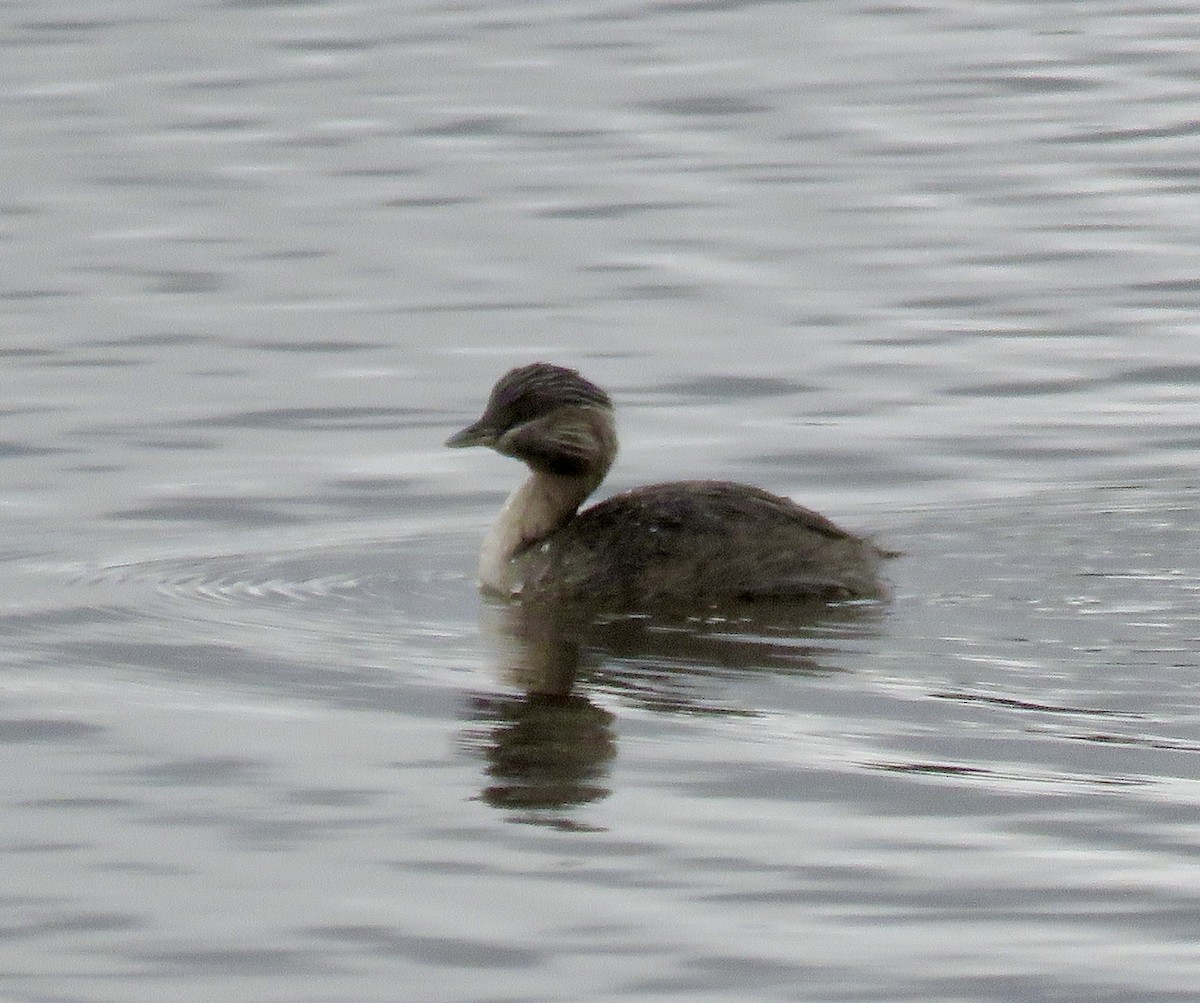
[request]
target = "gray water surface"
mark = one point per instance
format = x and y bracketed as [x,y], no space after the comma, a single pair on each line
[930,268]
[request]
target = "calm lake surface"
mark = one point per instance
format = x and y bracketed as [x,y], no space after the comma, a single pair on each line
[931,268]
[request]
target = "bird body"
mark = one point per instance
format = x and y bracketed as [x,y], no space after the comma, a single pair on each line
[681,544]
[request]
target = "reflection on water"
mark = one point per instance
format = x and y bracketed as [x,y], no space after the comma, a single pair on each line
[543,751]
[548,648]
[548,746]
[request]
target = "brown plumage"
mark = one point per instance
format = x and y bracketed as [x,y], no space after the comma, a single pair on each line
[682,544]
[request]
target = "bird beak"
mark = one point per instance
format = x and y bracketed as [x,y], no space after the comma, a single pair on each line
[473,435]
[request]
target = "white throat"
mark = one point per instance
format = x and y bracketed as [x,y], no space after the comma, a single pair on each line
[533,511]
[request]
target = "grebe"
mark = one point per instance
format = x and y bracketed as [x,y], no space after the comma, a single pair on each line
[686,543]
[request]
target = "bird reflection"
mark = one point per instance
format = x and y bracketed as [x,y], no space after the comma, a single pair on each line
[544,751]
[549,745]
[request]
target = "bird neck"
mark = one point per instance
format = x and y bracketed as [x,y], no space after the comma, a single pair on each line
[533,511]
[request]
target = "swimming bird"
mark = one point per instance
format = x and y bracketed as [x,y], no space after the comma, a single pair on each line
[683,544]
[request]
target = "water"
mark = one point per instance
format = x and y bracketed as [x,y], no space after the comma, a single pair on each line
[929,268]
